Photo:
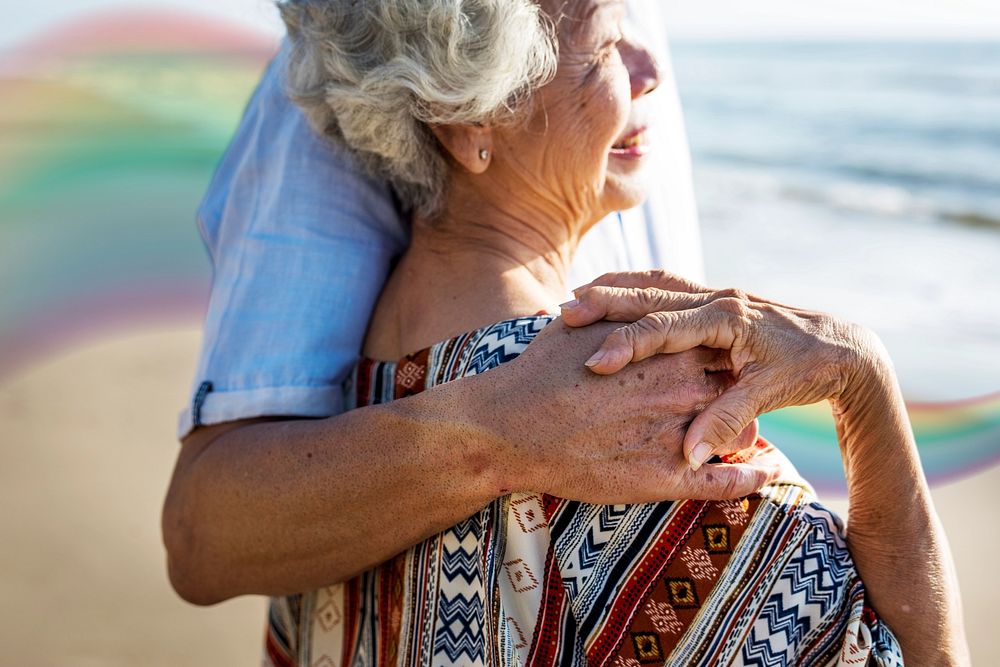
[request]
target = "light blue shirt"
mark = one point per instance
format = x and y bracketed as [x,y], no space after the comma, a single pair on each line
[301,241]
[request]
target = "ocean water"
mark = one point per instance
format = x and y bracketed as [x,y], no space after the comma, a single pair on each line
[861,179]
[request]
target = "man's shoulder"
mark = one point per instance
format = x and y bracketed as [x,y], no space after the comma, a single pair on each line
[278,173]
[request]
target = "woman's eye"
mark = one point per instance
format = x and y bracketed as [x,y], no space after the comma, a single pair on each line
[606,55]
[610,49]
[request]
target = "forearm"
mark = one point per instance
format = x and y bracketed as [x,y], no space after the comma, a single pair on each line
[894,534]
[282,507]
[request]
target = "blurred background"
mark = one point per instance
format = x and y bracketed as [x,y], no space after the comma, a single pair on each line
[846,155]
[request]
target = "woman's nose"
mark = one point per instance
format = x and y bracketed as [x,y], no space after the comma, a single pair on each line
[642,68]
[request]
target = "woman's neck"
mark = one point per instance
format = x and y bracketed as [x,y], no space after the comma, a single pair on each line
[473,266]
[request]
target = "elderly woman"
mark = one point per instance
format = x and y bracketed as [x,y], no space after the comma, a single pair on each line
[510,128]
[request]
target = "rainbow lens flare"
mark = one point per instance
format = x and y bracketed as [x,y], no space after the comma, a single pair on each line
[109,132]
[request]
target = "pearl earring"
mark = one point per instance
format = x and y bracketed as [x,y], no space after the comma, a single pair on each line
[483,154]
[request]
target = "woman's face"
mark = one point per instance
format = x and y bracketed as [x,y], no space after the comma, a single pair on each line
[585,143]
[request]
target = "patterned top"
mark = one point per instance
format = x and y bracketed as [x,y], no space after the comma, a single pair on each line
[537,580]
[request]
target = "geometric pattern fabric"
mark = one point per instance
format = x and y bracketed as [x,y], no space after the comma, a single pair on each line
[540,581]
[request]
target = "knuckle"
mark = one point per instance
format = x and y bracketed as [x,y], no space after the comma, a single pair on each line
[635,333]
[660,320]
[649,326]
[596,297]
[658,276]
[732,293]
[732,306]
[730,421]
[643,336]
[737,313]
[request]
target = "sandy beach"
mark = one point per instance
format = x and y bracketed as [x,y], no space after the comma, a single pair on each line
[88,446]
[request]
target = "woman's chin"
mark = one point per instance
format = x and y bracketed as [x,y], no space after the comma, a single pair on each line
[622,193]
[627,178]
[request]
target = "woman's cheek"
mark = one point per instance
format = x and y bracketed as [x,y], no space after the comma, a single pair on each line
[587,143]
[616,103]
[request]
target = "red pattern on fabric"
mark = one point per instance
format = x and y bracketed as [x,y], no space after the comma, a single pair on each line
[545,644]
[642,579]
[390,609]
[760,570]
[712,538]
[656,601]
[746,455]
[551,505]
[411,374]
[363,390]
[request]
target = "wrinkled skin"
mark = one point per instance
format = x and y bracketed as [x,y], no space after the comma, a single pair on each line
[614,440]
[782,355]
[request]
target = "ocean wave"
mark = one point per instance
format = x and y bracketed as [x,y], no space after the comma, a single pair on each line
[886,201]
[862,198]
[915,176]
[867,199]
[982,183]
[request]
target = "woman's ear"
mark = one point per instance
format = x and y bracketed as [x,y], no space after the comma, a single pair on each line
[469,144]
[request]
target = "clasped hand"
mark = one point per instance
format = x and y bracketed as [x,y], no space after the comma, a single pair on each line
[779,355]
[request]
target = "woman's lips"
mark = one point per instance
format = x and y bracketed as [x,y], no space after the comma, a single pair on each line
[634,145]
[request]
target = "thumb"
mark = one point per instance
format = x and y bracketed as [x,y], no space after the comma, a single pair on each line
[720,423]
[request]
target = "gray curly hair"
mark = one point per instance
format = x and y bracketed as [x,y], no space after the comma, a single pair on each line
[374,73]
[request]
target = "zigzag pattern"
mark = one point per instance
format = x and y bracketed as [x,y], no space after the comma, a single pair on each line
[523,330]
[611,516]
[577,567]
[577,549]
[811,587]
[461,530]
[460,628]
[460,552]
[460,614]
[590,550]
[628,539]
[485,358]
[461,564]
[502,342]
[600,533]
[452,616]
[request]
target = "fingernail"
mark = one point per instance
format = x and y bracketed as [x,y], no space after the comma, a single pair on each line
[700,454]
[570,305]
[596,359]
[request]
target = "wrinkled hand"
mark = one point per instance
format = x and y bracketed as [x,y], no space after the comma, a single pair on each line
[609,440]
[780,355]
